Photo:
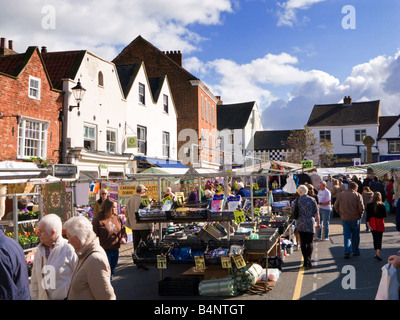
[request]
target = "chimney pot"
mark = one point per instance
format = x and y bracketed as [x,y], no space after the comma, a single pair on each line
[10,45]
[44,49]
[3,43]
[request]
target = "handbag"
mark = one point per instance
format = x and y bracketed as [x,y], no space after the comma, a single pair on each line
[377,224]
[388,286]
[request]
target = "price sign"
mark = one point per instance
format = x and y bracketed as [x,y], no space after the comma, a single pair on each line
[200,263]
[145,201]
[257,211]
[239,261]
[226,262]
[307,164]
[161,262]
[239,216]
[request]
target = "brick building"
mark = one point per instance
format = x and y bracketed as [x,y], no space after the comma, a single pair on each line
[196,106]
[29,107]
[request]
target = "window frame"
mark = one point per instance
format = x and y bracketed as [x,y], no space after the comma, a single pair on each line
[142,95]
[165,103]
[109,142]
[395,143]
[323,134]
[22,139]
[93,141]
[142,142]
[38,90]
[359,135]
[166,147]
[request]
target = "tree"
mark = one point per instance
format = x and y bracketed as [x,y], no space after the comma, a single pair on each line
[303,145]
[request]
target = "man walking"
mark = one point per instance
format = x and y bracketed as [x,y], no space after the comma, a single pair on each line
[324,202]
[140,231]
[350,206]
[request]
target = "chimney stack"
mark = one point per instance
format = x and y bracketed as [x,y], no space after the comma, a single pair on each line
[176,56]
[44,49]
[4,51]
[347,100]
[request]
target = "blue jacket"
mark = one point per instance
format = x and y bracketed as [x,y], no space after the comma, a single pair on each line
[14,281]
[243,193]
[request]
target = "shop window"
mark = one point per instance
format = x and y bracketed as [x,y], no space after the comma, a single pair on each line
[394,146]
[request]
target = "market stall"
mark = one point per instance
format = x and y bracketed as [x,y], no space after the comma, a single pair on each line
[228,237]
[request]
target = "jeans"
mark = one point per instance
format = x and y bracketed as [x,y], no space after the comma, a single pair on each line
[365,219]
[324,217]
[351,236]
[112,256]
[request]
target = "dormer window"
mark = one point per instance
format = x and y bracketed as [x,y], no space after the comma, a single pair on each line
[101,79]
[34,88]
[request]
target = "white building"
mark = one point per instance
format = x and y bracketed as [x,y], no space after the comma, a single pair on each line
[237,124]
[150,118]
[389,138]
[346,125]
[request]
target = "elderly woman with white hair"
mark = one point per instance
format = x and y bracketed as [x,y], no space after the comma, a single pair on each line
[54,261]
[306,215]
[91,278]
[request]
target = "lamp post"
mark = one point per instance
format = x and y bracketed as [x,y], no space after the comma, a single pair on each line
[78,92]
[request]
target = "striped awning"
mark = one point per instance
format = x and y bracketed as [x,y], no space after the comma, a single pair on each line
[380,168]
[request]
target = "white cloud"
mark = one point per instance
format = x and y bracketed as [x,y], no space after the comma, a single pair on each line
[101,25]
[287,13]
[263,78]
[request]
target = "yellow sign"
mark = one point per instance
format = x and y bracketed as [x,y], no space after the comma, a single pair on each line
[226,262]
[239,216]
[127,190]
[239,261]
[161,262]
[307,164]
[200,263]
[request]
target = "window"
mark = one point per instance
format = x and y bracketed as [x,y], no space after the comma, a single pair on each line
[34,88]
[209,111]
[89,137]
[165,144]
[202,106]
[325,136]
[165,99]
[32,139]
[206,113]
[394,146]
[142,139]
[213,115]
[142,93]
[360,135]
[111,141]
[101,79]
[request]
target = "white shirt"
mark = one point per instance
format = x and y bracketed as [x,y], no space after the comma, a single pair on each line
[324,196]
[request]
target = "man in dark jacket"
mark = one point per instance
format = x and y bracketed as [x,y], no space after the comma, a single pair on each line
[14,281]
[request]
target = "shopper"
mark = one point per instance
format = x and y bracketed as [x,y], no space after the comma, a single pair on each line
[242,191]
[110,230]
[169,193]
[14,281]
[350,207]
[376,212]
[140,231]
[306,218]
[97,205]
[91,277]
[390,194]
[54,261]
[324,206]
[367,196]
[193,197]
[335,191]
[377,186]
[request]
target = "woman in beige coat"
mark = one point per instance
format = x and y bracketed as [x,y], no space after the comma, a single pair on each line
[91,277]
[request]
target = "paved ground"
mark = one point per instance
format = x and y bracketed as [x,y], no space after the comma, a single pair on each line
[329,278]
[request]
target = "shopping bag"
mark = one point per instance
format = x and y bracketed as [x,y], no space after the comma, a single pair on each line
[388,286]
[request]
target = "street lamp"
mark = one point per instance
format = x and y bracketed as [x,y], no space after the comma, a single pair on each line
[78,92]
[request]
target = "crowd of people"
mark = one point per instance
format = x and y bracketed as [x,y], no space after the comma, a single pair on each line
[350,199]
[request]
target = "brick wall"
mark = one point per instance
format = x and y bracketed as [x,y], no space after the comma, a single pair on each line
[14,100]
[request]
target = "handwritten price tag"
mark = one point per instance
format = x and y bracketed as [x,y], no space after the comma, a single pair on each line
[226,262]
[239,216]
[161,262]
[200,263]
[239,261]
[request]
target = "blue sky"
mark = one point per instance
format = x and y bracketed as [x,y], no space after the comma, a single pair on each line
[286,55]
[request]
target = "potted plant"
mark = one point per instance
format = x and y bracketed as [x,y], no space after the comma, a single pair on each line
[34,239]
[24,241]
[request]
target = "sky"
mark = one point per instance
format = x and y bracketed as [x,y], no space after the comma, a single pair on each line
[286,55]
